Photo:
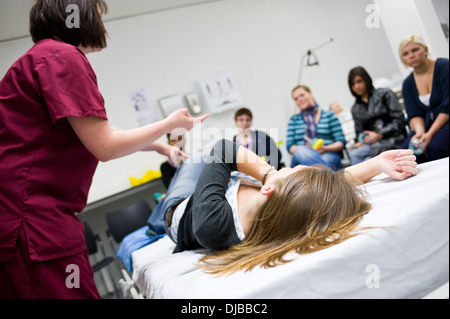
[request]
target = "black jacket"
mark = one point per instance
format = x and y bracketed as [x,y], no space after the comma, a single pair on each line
[383,114]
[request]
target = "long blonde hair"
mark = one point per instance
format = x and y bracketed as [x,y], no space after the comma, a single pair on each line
[311,210]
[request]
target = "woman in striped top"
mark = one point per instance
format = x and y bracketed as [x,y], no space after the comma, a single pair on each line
[312,123]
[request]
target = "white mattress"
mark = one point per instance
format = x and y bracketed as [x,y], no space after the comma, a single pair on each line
[408,260]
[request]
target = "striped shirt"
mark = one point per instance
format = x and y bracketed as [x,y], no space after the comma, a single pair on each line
[329,129]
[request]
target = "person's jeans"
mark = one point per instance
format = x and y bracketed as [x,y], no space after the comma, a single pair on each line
[304,155]
[360,154]
[182,186]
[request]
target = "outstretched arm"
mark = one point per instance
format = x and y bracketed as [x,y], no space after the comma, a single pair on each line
[107,143]
[398,164]
[251,164]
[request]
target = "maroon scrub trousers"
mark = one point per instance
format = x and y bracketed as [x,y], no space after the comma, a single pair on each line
[64,278]
[45,173]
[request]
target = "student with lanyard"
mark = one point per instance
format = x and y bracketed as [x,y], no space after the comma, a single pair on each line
[255,140]
[53,131]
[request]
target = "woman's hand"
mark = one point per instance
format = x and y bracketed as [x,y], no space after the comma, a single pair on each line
[372,137]
[426,140]
[398,164]
[173,153]
[418,126]
[322,149]
[293,148]
[417,136]
[181,119]
[176,156]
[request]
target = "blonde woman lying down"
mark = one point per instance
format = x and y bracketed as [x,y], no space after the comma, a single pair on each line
[248,214]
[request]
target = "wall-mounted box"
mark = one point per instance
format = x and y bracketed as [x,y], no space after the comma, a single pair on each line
[170,104]
[218,94]
[193,103]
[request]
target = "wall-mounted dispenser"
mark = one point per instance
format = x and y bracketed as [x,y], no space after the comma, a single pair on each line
[218,94]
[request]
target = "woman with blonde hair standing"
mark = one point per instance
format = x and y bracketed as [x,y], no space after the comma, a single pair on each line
[425,92]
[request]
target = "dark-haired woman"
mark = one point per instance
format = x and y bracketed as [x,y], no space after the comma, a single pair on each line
[380,124]
[53,132]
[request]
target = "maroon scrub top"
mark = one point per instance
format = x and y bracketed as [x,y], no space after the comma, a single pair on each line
[45,171]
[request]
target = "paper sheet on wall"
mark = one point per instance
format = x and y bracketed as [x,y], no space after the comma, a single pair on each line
[144,112]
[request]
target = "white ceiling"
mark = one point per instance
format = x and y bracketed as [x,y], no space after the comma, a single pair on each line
[14,13]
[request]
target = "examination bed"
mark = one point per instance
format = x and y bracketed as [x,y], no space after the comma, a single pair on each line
[406,257]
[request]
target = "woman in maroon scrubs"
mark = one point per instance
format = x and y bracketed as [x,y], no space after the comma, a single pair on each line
[53,132]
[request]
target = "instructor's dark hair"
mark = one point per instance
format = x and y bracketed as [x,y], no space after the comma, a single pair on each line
[52,19]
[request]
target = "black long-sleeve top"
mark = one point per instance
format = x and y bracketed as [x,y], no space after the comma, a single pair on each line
[207,221]
[383,114]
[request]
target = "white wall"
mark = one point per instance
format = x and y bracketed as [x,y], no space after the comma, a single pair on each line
[260,42]
[417,16]
[442,10]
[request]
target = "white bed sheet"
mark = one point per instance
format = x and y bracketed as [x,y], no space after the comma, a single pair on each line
[409,260]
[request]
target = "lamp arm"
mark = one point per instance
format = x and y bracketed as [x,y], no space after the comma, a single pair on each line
[308,53]
[301,68]
[323,44]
